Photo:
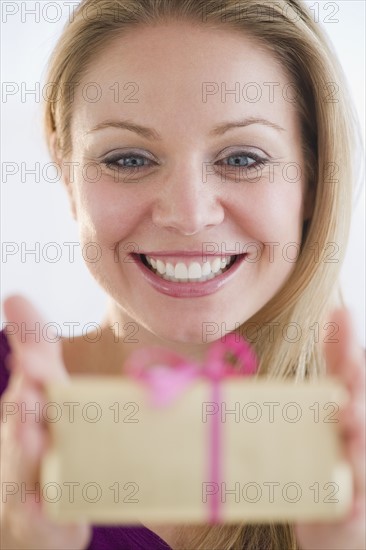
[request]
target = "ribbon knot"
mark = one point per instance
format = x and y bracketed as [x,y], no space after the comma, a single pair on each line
[167,373]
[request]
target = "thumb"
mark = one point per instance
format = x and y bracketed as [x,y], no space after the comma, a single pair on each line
[34,353]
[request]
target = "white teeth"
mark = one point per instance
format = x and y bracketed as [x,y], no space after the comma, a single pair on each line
[170,271]
[206,268]
[195,271]
[215,266]
[160,266]
[181,271]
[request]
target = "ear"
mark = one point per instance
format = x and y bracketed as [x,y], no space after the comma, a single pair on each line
[67,172]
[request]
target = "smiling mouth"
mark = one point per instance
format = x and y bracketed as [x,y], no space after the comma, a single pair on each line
[189,272]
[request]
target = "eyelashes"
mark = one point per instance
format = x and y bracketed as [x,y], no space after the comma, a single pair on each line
[133,161]
[256,160]
[138,163]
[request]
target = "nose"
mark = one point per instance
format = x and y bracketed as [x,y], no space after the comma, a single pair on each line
[187,204]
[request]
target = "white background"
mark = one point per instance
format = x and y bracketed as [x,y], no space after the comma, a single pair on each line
[38,211]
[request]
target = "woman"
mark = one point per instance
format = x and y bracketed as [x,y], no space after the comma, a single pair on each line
[205,169]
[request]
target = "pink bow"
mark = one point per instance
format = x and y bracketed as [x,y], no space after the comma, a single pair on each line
[167,374]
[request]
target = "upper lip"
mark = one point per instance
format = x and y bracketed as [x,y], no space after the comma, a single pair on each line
[186,253]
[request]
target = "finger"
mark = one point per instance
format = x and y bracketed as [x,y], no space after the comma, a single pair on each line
[344,356]
[23,441]
[32,353]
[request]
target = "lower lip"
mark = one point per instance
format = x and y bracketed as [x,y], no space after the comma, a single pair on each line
[187,290]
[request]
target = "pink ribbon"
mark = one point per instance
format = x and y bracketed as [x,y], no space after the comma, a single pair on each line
[167,374]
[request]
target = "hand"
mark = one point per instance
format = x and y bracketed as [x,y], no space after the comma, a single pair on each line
[32,363]
[345,360]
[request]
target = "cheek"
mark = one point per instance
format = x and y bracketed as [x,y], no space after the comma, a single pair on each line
[108,212]
[271,212]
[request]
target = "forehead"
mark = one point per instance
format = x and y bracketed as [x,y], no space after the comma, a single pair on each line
[178,69]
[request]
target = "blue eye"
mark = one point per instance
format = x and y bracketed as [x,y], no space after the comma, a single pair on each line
[126,162]
[242,159]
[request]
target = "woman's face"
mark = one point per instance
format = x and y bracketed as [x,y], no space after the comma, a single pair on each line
[187,147]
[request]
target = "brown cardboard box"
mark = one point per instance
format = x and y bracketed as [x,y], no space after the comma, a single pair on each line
[117,459]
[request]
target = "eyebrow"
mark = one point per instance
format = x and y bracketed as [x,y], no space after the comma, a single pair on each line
[150,133]
[143,131]
[225,126]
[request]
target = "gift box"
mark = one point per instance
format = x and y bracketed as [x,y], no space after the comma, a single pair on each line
[182,443]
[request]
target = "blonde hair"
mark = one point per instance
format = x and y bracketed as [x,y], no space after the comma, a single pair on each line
[329,134]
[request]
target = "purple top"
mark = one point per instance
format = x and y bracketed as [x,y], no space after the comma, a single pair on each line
[103,538]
